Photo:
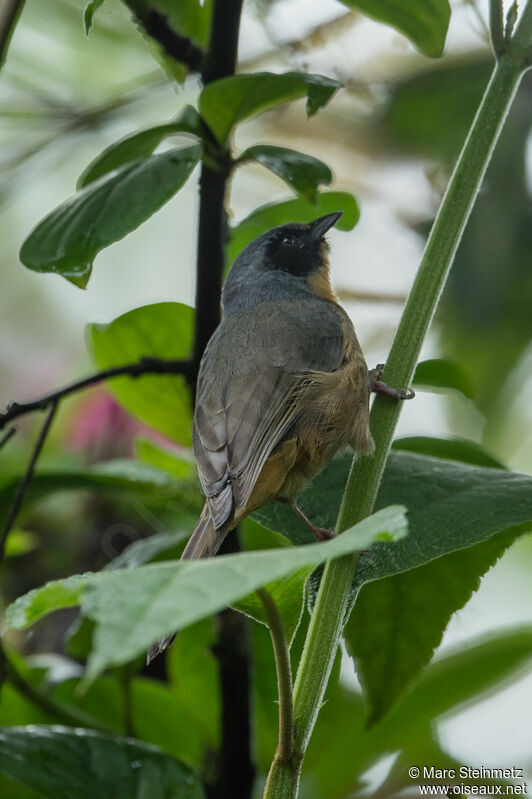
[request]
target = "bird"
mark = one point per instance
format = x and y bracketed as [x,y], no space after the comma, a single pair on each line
[282,387]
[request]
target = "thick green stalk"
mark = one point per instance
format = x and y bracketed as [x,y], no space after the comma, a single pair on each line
[359,497]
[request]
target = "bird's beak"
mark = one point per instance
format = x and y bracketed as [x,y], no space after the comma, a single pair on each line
[320,226]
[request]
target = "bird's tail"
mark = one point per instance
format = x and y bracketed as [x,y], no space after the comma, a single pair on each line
[204,542]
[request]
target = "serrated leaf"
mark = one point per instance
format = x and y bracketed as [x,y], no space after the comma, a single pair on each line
[461,519]
[90,10]
[134,608]
[140,145]
[424,22]
[225,102]
[438,373]
[83,763]
[268,216]
[67,240]
[161,330]
[342,748]
[302,172]
[456,449]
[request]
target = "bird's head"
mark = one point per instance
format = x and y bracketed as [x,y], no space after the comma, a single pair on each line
[299,249]
[289,258]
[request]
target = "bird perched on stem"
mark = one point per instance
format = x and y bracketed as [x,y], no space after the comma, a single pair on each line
[282,386]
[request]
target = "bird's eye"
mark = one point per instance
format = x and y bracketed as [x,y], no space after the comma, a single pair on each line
[290,241]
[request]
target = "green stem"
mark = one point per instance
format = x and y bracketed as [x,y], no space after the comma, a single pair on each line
[285,749]
[334,595]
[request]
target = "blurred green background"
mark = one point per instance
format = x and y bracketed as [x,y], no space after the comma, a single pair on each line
[391,139]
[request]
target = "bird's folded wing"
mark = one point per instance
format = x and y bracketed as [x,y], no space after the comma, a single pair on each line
[244,412]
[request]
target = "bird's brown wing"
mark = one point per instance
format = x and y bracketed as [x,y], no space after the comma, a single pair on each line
[251,390]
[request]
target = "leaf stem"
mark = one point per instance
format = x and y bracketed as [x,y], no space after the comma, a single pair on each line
[281,651]
[333,599]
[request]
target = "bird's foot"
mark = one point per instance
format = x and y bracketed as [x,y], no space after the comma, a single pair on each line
[377,386]
[319,533]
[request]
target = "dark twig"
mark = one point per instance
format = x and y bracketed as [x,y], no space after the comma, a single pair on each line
[142,367]
[220,62]
[5,438]
[156,25]
[25,482]
[10,11]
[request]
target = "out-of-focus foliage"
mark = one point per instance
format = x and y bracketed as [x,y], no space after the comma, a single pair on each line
[128,511]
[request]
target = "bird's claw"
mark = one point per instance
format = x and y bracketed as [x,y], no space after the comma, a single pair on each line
[377,386]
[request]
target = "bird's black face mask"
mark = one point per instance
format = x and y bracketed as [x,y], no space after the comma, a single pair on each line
[293,250]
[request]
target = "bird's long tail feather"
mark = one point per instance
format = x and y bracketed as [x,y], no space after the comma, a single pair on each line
[204,542]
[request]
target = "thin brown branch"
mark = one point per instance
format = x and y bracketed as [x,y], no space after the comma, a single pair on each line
[10,11]
[142,367]
[156,25]
[25,482]
[348,295]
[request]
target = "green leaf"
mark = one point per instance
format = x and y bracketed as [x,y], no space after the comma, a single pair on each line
[420,107]
[288,594]
[123,477]
[90,9]
[140,145]
[148,549]
[164,458]
[67,240]
[162,330]
[134,608]
[438,373]
[456,449]
[64,763]
[461,519]
[226,102]
[193,675]
[380,631]
[302,172]
[191,18]
[268,216]
[20,542]
[342,748]
[424,22]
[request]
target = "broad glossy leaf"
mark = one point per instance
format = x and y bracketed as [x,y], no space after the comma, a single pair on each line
[134,608]
[288,594]
[67,240]
[456,449]
[303,172]
[140,145]
[162,330]
[64,763]
[461,519]
[424,22]
[226,102]
[438,373]
[268,216]
[90,9]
